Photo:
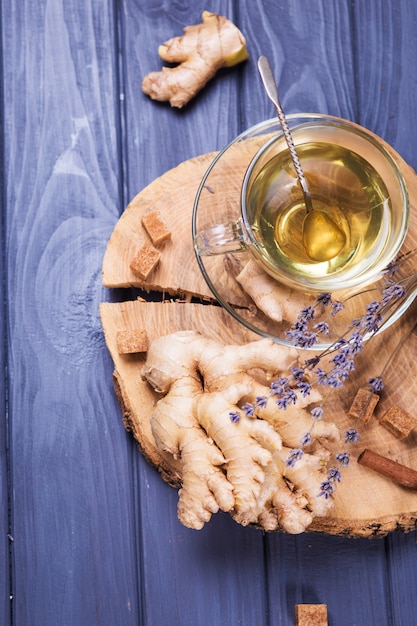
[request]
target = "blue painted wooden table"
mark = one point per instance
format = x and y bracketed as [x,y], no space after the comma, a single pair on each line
[89,533]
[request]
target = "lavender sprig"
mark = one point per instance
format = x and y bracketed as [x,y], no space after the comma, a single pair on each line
[341,355]
[343,352]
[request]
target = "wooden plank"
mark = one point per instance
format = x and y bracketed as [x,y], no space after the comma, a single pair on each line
[401,558]
[158,137]
[385,51]
[343,574]
[312,48]
[74,552]
[215,575]
[310,45]
[6,538]
[6,541]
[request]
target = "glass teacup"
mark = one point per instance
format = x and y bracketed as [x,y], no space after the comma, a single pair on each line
[353,179]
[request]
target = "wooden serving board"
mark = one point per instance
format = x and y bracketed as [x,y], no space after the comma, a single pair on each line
[366,504]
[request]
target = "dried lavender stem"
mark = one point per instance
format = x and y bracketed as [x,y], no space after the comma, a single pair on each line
[397,348]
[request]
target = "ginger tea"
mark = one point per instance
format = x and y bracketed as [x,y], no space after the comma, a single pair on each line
[343,185]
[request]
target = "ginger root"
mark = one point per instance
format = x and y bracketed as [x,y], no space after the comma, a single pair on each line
[277,301]
[200,52]
[232,460]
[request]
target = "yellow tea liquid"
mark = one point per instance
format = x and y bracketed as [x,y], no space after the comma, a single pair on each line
[342,184]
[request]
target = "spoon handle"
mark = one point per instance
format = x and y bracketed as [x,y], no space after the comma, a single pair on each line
[271,89]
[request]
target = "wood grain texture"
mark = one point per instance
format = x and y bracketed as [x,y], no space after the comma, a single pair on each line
[312,50]
[163,137]
[5,486]
[365,504]
[73,551]
[177,272]
[96,540]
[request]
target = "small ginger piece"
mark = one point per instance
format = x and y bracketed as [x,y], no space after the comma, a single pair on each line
[145,261]
[200,52]
[363,405]
[311,615]
[277,301]
[398,422]
[131,341]
[156,228]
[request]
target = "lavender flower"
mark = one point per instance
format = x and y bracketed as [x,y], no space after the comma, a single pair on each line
[393,292]
[279,386]
[321,376]
[343,458]
[299,334]
[305,440]
[307,314]
[249,409]
[284,393]
[297,373]
[234,416]
[294,456]
[261,401]
[303,339]
[321,328]
[324,299]
[351,435]
[286,399]
[304,387]
[337,307]
[376,384]
[327,489]
[317,413]
[334,475]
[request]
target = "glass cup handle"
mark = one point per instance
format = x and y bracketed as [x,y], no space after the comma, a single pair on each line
[222,238]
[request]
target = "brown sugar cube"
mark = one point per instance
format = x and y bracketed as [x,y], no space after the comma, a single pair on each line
[145,261]
[131,341]
[398,422]
[311,615]
[156,227]
[363,405]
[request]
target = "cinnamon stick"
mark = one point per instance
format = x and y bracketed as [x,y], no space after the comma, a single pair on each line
[400,474]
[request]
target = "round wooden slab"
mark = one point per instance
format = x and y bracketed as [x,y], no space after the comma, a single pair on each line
[366,503]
